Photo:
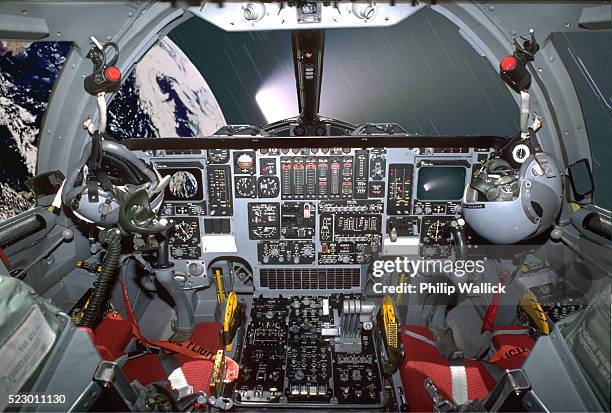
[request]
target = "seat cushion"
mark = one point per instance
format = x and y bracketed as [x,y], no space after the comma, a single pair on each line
[422,360]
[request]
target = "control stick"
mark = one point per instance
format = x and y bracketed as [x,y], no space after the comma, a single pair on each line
[458,234]
[164,272]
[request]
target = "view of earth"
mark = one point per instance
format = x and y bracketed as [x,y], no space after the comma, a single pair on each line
[164,96]
[27,74]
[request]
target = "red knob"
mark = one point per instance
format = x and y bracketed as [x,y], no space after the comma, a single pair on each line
[112,73]
[508,63]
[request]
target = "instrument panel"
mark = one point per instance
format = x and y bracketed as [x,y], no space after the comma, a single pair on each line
[322,208]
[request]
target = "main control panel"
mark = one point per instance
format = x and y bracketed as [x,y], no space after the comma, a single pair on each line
[326,208]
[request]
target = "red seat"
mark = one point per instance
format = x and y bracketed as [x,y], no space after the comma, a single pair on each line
[510,347]
[423,360]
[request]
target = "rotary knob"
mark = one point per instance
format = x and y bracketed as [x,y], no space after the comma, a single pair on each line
[195,269]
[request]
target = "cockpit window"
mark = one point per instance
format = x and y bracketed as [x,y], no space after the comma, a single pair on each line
[27,74]
[421,74]
[589,70]
[200,78]
[165,95]
[250,73]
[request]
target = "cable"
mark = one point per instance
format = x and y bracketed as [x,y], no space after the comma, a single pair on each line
[106,280]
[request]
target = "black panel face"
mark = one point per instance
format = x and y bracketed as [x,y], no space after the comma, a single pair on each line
[378,162]
[286,252]
[376,189]
[217,226]
[218,156]
[286,361]
[298,220]
[245,186]
[399,190]
[268,187]
[244,162]
[267,166]
[184,239]
[404,226]
[360,174]
[350,231]
[436,237]
[264,220]
[220,190]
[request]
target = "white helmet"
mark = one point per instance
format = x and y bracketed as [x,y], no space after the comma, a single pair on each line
[506,205]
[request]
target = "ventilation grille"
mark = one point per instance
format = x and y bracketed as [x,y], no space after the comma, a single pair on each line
[313,279]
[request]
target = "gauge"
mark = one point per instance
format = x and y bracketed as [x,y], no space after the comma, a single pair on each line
[267,166]
[245,186]
[184,239]
[218,155]
[436,230]
[244,162]
[183,231]
[268,187]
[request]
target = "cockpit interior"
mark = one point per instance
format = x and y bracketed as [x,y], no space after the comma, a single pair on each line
[350,236]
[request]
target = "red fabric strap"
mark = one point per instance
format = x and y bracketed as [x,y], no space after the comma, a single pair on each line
[187,348]
[5,259]
[488,321]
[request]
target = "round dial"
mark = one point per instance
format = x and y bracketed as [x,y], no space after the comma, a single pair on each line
[268,187]
[218,155]
[183,231]
[245,187]
[437,230]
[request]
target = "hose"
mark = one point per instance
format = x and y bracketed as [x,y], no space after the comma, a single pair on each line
[106,280]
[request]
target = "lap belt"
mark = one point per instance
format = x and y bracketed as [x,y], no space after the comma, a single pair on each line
[418,337]
[459,382]
[187,348]
[458,373]
[510,332]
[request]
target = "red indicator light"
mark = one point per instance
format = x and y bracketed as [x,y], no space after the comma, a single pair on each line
[508,63]
[112,73]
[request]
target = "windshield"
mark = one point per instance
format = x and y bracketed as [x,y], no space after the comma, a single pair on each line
[421,74]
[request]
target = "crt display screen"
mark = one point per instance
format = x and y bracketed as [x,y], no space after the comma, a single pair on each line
[185,184]
[438,183]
